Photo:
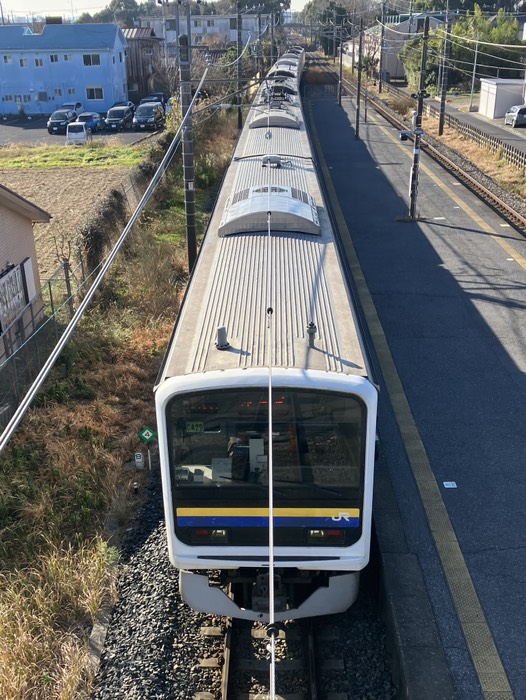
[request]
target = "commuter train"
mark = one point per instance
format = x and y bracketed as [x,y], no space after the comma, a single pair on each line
[266,410]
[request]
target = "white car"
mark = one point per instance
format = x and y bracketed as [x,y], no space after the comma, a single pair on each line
[73,106]
[515,116]
[78,134]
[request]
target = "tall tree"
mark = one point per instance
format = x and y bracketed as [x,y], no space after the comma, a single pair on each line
[489,39]
[494,37]
[123,11]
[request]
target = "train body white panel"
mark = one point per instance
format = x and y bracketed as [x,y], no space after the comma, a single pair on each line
[340,593]
[266,412]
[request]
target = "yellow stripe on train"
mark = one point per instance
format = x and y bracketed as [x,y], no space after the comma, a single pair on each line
[278,512]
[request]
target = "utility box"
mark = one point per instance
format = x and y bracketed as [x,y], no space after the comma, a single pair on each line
[497,95]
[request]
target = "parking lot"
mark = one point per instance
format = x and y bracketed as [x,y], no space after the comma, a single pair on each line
[34,131]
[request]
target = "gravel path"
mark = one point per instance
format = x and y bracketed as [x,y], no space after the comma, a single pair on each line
[153,640]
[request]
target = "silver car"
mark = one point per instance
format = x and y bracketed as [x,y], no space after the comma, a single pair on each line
[515,116]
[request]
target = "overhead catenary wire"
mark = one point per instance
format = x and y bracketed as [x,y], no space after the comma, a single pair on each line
[455,64]
[79,313]
[270,466]
[238,58]
[469,40]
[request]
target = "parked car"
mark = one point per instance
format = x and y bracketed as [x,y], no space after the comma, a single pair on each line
[92,119]
[149,115]
[78,134]
[119,118]
[155,97]
[125,103]
[73,106]
[515,116]
[59,120]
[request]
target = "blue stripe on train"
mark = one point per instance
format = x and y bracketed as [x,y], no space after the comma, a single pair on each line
[256,521]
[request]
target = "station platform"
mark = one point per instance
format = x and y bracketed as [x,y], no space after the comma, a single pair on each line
[443,297]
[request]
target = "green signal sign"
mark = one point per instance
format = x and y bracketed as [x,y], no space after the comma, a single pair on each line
[147,435]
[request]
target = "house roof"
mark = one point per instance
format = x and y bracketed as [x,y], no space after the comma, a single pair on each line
[140,33]
[22,206]
[58,37]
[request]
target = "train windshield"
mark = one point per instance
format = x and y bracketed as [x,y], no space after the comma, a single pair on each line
[221,439]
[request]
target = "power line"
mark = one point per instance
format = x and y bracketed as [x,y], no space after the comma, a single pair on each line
[77,316]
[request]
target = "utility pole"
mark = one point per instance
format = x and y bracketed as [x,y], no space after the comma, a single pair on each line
[334,35]
[353,34]
[272,38]
[474,73]
[239,71]
[341,68]
[185,60]
[444,76]
[258,44]
[359,84]
[382,37]
[418,131]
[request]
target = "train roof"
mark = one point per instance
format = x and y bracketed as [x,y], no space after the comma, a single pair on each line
[269,244]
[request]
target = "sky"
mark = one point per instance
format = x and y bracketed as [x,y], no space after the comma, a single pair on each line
[54,8]
[22,9]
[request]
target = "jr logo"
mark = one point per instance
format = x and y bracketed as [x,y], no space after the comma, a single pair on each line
[341,516]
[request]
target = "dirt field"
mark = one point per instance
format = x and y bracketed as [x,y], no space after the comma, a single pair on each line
[70,195]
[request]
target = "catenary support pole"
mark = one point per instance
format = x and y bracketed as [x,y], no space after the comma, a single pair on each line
[185,60]
[382,40]
[341,68]
[418,131]
[239,71]
[444,77]
[359,84]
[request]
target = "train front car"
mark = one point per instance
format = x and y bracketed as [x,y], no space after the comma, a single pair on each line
[265,380]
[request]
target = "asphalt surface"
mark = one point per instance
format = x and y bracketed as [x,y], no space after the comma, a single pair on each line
[34,131]
[445,298]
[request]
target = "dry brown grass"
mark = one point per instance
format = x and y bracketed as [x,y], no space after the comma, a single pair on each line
[65,469]
[60,477]
[45,611]
[492,163]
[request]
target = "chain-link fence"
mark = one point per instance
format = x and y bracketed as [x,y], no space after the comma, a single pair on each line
[28,341]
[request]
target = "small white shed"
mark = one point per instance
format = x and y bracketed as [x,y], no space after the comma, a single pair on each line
[497,95]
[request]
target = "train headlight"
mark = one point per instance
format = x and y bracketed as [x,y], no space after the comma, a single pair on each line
[328,537]
[206,535]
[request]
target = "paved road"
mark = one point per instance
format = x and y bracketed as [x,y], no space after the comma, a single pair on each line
[447,297]
[34,131]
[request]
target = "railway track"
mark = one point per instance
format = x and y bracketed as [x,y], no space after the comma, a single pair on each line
[158,647]
[467,173]
[308,662]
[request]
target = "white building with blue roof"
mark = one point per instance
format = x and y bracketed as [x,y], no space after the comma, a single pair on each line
[67,62]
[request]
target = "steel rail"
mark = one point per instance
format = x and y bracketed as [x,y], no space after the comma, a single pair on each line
[312,676]
[227,649]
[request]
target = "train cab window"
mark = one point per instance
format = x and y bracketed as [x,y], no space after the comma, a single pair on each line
[223,439]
